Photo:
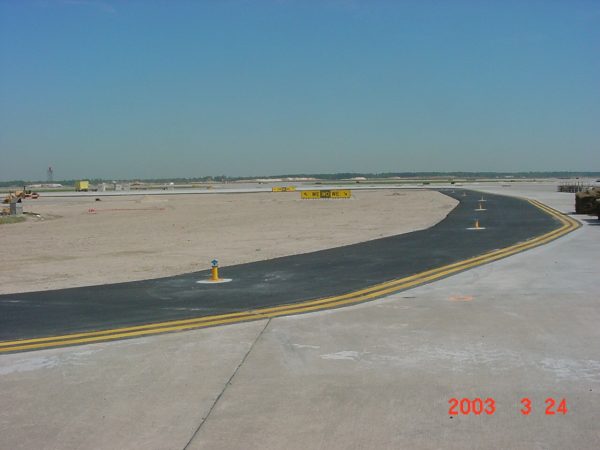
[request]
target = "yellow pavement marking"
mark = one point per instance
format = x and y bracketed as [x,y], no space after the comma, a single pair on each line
[378,290]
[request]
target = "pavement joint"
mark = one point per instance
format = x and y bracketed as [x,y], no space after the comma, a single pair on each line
[227,384]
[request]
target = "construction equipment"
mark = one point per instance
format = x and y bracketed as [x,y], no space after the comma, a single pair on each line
[18,196]
[588,202]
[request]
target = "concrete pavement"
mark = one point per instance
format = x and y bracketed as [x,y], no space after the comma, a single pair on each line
[380,375]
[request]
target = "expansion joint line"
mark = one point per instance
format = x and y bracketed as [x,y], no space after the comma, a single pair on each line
[229,381]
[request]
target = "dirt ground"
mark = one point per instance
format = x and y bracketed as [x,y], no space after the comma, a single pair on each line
[140,237]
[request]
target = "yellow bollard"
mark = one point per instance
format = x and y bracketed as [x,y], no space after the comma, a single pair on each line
[214,275]
[214,271]
[476,224]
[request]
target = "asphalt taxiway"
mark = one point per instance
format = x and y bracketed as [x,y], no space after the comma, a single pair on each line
[123,309]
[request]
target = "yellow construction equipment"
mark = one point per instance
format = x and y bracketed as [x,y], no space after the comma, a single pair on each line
[17,196]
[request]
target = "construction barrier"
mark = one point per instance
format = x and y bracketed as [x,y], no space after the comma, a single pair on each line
[283,189]
[334,193]
[574,187]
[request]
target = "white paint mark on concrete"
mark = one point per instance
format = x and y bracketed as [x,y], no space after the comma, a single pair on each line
[453,359]
[306,346]
[346,354]
[573,370]
[29,364]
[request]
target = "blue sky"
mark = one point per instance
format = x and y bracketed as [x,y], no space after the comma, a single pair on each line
[138,89]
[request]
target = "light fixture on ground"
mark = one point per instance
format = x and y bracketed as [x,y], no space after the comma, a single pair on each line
[214,275]
[476,227]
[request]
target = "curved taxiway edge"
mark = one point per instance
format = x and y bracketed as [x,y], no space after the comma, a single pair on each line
[282,286]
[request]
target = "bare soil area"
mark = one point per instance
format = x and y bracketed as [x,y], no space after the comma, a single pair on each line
[80,241]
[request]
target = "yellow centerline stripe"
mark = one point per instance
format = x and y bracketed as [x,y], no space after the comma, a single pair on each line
[206,321]
[485,256]
[209,320]
[199,320]
[312,305]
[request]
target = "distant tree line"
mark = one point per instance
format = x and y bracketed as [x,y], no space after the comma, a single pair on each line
[332,176]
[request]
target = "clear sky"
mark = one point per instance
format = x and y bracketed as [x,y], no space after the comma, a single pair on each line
[140,89]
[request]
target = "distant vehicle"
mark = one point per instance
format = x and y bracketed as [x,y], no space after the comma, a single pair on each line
[588,202]
[82,185]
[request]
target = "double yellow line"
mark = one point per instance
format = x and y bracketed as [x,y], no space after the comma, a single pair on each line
[567,225]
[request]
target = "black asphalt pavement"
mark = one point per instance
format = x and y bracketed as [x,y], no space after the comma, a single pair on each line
[285,280]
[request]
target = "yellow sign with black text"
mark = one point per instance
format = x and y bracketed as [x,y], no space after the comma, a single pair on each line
[283,189]
[334,193]
[310,194]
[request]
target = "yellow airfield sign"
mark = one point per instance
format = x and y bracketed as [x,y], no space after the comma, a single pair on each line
[341,193]
[332,193]
[283,189]
[310,194]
